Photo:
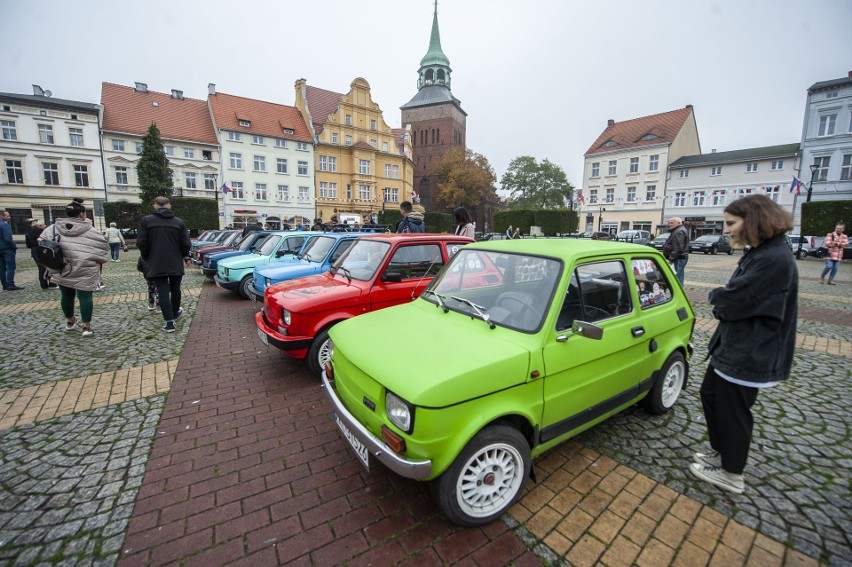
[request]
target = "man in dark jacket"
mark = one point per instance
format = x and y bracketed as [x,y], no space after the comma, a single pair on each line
[412,222]
[163,241]
[8,249]
[676,248]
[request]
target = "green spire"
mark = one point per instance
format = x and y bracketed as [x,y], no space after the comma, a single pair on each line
[435,56]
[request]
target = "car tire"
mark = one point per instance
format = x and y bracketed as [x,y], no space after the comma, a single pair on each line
[713,250]
[245,285]
[319,353]
[486,478]
[670,382]
[730,251]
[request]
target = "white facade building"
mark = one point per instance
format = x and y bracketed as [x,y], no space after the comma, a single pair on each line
[701,186]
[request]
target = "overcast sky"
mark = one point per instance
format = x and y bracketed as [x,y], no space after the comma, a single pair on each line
[536,77]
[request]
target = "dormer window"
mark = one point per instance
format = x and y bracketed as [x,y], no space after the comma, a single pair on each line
[648,137]
[245,123]
[289,131]
[609,144]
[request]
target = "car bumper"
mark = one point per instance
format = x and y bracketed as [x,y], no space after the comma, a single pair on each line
[376,447]
[224,284]
[209,272]
[254,295]
[291,345]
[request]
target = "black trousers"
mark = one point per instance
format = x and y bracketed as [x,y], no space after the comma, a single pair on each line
[42,281]
[727,409]
[168,288]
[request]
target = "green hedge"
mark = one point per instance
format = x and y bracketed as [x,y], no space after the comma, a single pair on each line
[820,217]
[551,221]
[197,214]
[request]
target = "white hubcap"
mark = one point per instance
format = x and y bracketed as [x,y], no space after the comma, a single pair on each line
[324,354]
[672,384]
[490,480]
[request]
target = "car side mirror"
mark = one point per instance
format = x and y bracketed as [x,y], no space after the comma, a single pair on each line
[392,277]
[582,328]
[284,253]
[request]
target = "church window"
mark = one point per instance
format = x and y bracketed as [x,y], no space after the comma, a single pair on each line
[441,75]
[429,75]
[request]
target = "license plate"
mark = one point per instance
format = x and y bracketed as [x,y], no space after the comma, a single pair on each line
[218,284]
[360,448]
[263,338]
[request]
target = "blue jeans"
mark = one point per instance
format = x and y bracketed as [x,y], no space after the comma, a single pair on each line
[7,267]
[113,249]
[679,265]
[830,266]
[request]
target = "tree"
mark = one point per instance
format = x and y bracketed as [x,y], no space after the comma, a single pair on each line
[536,185]
[155,176]
[467,178]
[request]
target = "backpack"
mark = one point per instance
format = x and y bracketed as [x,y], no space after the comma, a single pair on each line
[49,254]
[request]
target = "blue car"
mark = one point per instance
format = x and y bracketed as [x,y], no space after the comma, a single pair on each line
[316,257]
[248,245]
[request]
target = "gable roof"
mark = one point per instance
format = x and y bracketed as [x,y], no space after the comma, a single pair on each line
[646,131]
[130,111]
[749,154]
[321,104]
[265,118]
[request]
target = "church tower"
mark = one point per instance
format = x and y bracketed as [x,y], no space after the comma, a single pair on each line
[435,117]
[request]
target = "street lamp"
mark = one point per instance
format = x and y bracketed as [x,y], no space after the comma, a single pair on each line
[814,168]
[600,218]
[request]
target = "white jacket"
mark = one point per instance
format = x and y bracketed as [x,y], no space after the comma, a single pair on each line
[84,250]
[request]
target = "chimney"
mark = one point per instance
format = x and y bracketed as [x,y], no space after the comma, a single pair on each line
[140,87]
[211,88]
[689,106]
[176,94]
[850,73]
[713,151]
[38,91]
[610,123]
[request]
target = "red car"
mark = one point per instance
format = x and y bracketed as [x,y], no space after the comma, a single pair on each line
[376,272]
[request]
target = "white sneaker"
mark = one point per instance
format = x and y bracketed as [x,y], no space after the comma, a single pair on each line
[720,477]
[712,459]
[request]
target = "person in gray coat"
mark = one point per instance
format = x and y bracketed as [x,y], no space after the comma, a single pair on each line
[85,250]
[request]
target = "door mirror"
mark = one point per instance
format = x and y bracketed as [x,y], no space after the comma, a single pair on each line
[392,277]
[589,330]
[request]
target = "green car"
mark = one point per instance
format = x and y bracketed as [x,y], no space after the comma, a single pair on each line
[515,347]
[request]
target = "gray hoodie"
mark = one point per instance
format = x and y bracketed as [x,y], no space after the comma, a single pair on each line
[84,250]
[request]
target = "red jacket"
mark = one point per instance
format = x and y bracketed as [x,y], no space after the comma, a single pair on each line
[835,245]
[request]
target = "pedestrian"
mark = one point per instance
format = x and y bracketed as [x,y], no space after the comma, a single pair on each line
[835,242]
[752,347]
[8,249]
[676,248]
[31,239]
[510,232]
[115,240]
[517,234]
[84,250]
[464,227]
[164,244]
[318,225]
[412,222]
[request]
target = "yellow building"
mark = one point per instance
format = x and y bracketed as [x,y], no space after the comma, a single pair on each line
[362,164]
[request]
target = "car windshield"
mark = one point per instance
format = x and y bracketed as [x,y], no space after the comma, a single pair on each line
[628,234]
[510,290]
[269,246]
[707,238]
[362,259]
[249,240]
[317,250]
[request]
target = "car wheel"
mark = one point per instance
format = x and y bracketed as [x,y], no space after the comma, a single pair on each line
[486,478]
[668,387]
[320,352]
[245,285]
[713,250]
[730,251]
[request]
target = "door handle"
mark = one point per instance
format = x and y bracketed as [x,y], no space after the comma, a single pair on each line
[637,331]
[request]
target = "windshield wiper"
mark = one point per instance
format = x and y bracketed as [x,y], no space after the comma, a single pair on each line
[440,299]
[346,272]
[480,310]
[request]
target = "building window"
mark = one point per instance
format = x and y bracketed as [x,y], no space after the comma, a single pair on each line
[348,120]
[348,192]
[821,174]
[698,198]
[364,192]
[237,191]
[751,168]
[332,164]
[14,172]
[281,165]
[387,170]
[593,196]
[348,140]
[683,174]
[364,167]
[170,150]
[280,143]
[259,163]
[391,195]
[631,194]
[826,124]
[139,147]
[234,136]
[304,194]
[718,197]
[650,192]
[613,164]
[374,144]
[328,190]
[189,179]
[51,173]
[209,182]
[302,146]
[118,145]
[120,175]
[323,163]
[81,176]
[45,134]
[715,170]
[846,169]
[654,162]
[245,123]
[372,124]
[777,164]
[334,137]
[10,132]
[207,155]
[610,194]
[395,172]
[680,199]
[596,169]
[260,191]
[773,192]
[236,161]
[189,153]
[257,140]
[384,147]
[634,165]
[303,168]
[283,193]
[75,136]
[832,94]
[743,191]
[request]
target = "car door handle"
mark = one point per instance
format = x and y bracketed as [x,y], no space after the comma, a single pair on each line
[637,331]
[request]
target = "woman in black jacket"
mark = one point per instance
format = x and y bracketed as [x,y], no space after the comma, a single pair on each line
[31,239]
[753,345]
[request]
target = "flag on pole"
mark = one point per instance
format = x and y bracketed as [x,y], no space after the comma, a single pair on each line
[580,197]
[226,189]
[796,186]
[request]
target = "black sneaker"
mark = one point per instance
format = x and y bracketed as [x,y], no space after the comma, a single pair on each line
[170,327]
[179,313]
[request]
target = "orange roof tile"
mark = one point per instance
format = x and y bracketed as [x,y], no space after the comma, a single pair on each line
[132,112]
[266,118]
[321,103]
[657,129]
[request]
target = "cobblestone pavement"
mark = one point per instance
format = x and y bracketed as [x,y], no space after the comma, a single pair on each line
[242,463]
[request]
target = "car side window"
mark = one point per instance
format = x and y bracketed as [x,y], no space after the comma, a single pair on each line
[294,243]
[653,286]
[417,261]
[596,292]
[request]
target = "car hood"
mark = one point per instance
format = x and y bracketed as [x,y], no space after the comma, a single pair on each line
[287,269]
[431,358]
[226,254]
[243,262]
[314,293]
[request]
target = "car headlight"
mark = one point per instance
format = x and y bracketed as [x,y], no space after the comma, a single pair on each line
[285,316]
[268,281]
[400,412]
[226,272]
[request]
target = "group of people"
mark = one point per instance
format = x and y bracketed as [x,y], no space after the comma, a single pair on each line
[513,233]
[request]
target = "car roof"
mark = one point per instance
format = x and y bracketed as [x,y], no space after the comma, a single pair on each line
[389,237]
[339,235]
[565,248]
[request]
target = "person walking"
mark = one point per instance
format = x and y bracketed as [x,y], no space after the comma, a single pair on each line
[31,239]
[835,242]
[8,249]
[115,240]
[163,242]
[84,250]
[464,226]
[676,248]
[412,222]
[752,347]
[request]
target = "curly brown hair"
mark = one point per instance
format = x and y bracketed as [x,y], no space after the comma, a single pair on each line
[762,217]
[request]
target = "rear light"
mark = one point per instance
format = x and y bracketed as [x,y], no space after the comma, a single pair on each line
[392,440]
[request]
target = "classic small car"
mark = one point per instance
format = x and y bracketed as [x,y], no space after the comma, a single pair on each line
[513,348]
[227,239]
[711,244]
[250,243]
[376,272]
